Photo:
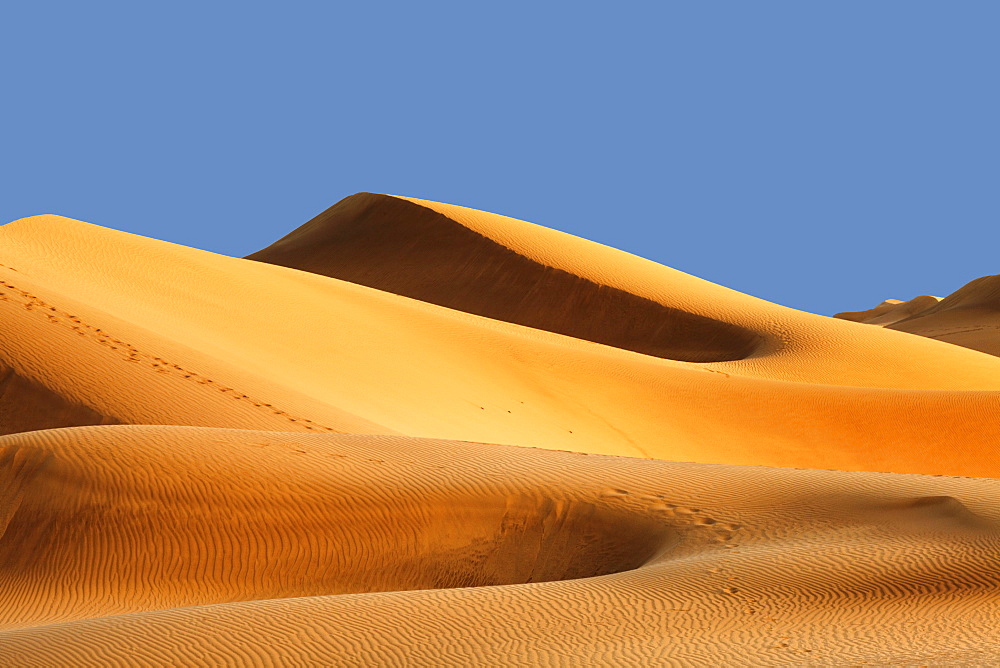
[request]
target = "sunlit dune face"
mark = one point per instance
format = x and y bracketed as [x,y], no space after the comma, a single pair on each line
[401,247]
[130,544]
[411,433]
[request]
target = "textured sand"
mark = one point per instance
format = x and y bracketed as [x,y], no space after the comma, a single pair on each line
[317,463]
[291,535]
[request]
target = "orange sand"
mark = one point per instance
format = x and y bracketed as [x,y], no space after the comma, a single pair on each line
[322,453]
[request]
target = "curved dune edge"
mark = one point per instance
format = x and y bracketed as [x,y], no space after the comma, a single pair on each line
[968,317]
[891,311]
[406,248]
[513,270]
[758,567]
[320,469]
[146,332]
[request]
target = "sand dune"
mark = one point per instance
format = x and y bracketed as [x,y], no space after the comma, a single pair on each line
[511,270]
[190,344]
[891,311]
[26,405]
[412,248]
[517,556]
[80,320]
[968,317]
[344,450]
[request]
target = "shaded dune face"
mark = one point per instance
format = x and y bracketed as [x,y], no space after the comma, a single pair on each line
[890,311]
[158,545]
[261,518]
[263,506]
[26,405]
[535,538]
[968,317]
[982,292]
[936,511]
[402,247]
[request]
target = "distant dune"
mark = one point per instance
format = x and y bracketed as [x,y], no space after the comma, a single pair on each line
[410,433]
[968,317]
[891,311]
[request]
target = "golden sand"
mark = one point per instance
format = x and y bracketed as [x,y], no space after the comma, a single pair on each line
[345,450]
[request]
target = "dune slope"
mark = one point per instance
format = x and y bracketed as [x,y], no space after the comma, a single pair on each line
[516,271]
[394,437]
[968,317]
[567,558]
[190,343]
[406,248]
[26,405]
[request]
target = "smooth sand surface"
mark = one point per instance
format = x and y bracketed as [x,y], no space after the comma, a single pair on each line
[345,450]
[968,317]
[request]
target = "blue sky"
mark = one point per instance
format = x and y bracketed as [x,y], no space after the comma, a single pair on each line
[822,155]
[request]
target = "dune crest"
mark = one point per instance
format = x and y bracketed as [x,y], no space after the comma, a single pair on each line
[891,311]
[968,317]
[402,243]
[403,247]
[191,344]
[396,437]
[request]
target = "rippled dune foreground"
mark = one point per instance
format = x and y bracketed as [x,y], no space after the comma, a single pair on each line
[410,433]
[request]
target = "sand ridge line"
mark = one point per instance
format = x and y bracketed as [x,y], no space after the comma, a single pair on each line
[933,333]
[476,264]
[679,515]
[133,354]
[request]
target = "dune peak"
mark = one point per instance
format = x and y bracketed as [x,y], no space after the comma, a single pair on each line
[411,429]
[400,246]
[968,317]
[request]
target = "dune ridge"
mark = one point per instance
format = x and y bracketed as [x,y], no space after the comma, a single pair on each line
[412,433]
[401,246]
[716,569]
[351,239]
[891,311]
[968,317]
[212,357]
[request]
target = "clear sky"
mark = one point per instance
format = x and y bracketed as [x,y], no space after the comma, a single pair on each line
[822,155]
